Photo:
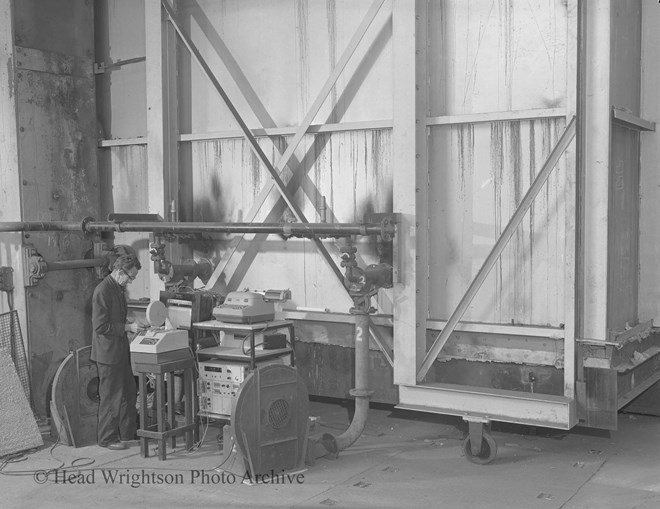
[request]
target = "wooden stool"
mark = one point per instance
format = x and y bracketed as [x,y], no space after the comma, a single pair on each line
[167,364]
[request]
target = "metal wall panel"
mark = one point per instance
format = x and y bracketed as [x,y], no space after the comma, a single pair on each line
[497,56]
[125,179]
[649,235]
[62,27]
[623,261]
[623,236]
[478,175]
[284,49]
[121,93]
[626,54]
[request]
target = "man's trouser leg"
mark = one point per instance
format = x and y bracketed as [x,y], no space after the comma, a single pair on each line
[128,410]
[111,381]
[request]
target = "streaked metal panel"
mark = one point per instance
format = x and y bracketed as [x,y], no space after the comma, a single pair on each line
[497,56]
[623,259]
[124,170]
[649,228]
[291,48]
[478,174]
[352,170]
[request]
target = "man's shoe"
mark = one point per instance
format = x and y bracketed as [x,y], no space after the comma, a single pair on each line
[115,446]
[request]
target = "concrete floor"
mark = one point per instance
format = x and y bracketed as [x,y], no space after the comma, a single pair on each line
[402,460]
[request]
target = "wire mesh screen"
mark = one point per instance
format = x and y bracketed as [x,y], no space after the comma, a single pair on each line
[12,340]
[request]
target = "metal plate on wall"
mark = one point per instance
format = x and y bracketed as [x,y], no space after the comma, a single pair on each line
[58,170]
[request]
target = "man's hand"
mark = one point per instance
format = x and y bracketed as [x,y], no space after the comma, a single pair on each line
[135,326]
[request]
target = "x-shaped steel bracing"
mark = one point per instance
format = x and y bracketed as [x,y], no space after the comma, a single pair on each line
[276,172]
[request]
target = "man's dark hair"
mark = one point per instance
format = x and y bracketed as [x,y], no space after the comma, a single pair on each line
[127,262]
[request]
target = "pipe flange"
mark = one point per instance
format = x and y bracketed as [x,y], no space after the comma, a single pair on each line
[83,226]
[387,229]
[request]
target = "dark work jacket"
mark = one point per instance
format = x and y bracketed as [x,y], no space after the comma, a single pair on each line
[109,342]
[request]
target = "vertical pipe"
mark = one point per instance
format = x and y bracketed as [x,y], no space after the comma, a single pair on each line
[361,392]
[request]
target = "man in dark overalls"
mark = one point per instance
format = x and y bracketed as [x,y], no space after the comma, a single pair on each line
[117,419]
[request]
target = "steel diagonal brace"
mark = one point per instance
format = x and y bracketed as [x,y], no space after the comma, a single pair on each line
[284,159]
[248,135]
[489,262]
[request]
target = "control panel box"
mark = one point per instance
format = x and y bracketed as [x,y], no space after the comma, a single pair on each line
[244,307]
[158,340]
[219,382]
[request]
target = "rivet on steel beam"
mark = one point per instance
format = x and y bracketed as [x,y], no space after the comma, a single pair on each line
[417,189]
[417,324]
[417,156]
[25,182]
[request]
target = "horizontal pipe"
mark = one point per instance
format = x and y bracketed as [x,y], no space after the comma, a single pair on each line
[76,264]
[288,229]
[41,226]
[292,229]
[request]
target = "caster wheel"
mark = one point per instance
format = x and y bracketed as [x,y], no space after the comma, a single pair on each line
[488,450]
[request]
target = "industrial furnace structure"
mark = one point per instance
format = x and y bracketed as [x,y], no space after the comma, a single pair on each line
[497,157]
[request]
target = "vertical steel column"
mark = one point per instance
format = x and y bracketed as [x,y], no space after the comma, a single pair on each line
[594,195]
[410,184]
[162,122]
[570,182]
[157,160]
